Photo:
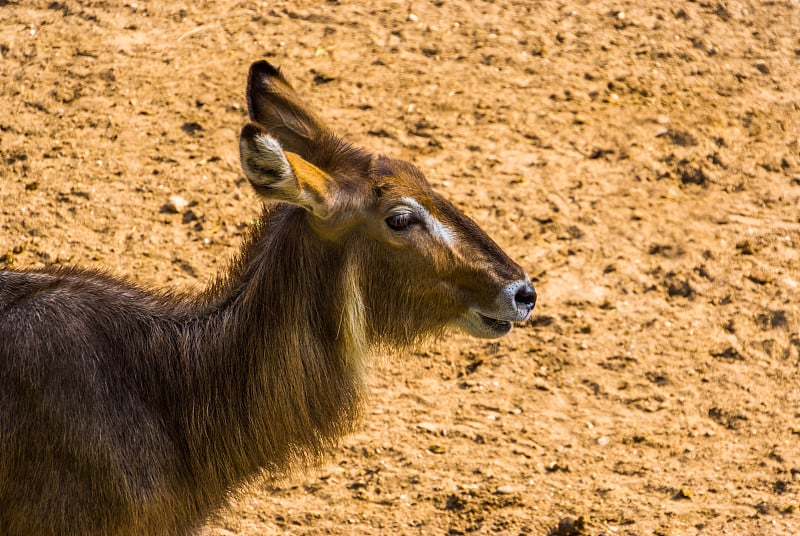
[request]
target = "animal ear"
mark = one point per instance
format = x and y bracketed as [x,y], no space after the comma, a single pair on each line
[283,175]
[274,104]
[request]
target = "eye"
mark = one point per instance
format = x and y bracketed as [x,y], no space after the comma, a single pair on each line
[400,221]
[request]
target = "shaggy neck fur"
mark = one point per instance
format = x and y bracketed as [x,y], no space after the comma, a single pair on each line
[292,309]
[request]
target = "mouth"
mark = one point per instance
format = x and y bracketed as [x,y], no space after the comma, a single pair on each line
[483,326]
[494,325]
[513,304]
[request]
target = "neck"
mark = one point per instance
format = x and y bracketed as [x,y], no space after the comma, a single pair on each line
[284,379]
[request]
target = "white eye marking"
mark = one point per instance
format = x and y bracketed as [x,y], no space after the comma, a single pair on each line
[436,228]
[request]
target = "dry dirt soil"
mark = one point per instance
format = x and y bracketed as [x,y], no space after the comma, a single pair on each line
[640,159]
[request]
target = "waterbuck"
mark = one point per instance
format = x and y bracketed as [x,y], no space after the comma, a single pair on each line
[126,411]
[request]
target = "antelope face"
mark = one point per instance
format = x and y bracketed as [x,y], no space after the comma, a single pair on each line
[451,265]
[424,264]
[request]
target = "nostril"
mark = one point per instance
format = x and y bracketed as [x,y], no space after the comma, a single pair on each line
[526,296]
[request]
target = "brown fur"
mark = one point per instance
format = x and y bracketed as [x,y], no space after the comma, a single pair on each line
[125,411]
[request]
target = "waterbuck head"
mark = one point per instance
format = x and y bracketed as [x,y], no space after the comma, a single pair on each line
[419,264]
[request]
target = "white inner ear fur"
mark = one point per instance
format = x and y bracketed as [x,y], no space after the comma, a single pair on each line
[435,227]
[267,165]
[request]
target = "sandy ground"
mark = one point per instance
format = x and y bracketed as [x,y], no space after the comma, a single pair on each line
[640,159]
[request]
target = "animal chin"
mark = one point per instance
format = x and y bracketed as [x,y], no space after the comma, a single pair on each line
[484,326]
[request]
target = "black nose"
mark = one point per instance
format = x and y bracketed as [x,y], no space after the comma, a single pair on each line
[525,296]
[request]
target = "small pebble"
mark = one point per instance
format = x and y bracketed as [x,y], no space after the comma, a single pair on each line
[428,427]
[176,204]
[569,526]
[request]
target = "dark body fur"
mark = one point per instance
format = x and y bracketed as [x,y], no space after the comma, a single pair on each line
[163,405]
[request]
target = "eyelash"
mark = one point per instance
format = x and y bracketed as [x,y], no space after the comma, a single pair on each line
[401,221]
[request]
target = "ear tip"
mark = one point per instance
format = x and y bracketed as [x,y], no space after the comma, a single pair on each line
[263,69]
[251,130]
[256,138]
